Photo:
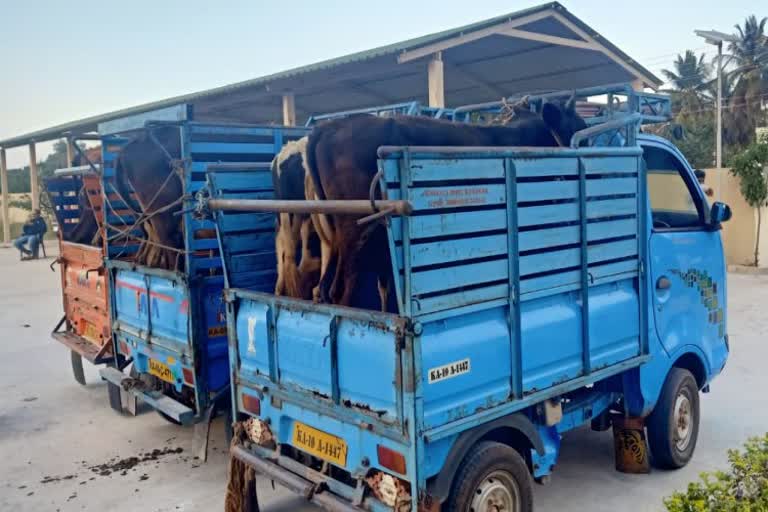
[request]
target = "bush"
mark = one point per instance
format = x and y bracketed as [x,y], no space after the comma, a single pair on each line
[744,488]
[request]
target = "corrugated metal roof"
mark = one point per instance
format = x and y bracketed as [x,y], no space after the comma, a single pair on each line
[221,93]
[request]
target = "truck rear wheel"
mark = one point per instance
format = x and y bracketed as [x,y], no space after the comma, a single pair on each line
[493,477]
[673,426]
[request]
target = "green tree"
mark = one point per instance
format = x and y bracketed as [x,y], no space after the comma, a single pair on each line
[751,166]
[749,53]
[689,78]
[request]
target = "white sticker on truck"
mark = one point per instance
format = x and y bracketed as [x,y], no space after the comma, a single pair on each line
[252,320]
[449,371]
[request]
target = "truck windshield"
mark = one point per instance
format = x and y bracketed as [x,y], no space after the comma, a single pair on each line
[673,201]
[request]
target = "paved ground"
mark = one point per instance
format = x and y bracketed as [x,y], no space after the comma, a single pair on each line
[53,432]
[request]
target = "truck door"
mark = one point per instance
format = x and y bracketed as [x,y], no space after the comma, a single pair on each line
[687,265]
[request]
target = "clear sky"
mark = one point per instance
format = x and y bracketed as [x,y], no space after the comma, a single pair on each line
[64,60]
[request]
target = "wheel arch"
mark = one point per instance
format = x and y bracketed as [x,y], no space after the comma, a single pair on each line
[692,362]
[516,431]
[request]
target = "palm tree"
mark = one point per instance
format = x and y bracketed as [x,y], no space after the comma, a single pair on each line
[690,74]
[689,80]
[750,55]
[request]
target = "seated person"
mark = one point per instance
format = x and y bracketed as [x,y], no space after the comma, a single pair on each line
[32,234]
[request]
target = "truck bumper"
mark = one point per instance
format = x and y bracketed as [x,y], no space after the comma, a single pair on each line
[156,400]
[307,486]
[89,351]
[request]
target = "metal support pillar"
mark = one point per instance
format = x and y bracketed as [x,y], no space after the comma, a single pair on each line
[33,186]
[6,196]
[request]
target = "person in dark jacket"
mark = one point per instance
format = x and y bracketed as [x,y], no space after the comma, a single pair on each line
[33,230]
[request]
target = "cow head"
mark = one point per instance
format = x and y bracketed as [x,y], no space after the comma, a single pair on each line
[562,120]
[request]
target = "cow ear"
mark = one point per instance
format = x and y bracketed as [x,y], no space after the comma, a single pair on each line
[552,115]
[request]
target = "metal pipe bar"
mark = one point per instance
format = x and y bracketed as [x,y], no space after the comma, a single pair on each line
[333,207]
[80,170]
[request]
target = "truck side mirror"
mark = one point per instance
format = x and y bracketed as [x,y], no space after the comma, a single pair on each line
[720,213]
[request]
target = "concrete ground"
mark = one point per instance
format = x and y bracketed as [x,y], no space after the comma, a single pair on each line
[60,443]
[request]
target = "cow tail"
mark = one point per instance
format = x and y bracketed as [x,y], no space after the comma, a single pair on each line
[312,163]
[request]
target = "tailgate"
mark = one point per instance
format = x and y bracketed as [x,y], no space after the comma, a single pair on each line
[153,308]
[346,356]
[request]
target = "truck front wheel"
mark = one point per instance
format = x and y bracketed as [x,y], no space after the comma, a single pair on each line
[673,426]
[492,477]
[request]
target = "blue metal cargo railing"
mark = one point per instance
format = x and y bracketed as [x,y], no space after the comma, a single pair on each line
[410,108]
[171,324]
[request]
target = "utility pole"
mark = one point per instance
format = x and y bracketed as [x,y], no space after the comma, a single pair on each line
[716,38]
[719,109]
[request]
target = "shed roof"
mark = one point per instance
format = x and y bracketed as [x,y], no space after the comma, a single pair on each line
[534,50]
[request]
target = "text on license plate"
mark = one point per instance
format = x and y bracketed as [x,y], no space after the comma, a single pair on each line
[318,443]
[91,332]
[161,371]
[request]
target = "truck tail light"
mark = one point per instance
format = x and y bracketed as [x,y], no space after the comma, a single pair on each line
[189,376]
[391,459]
[124,349]
[251,404]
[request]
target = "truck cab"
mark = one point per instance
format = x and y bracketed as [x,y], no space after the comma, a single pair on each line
[575,285]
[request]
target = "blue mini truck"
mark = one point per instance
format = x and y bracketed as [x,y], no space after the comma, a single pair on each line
[171,325]
[538,290]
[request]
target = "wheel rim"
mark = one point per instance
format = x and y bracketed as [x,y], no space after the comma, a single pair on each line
[683,419]
[497,492]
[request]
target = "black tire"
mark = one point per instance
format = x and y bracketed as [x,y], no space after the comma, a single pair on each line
[488,464]
[77,367]
[673,426]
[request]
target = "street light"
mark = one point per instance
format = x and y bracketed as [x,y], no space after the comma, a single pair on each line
[718,38]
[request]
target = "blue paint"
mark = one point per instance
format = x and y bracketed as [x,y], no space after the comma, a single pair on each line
[510,291]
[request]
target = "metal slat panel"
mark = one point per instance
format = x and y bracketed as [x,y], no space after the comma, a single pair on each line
[600,274]
[559,236]
[460,298]
[431,281]
[230,148]
[456,196]
[448,251]
[570,258]
[447,224]
[458,169]
[569,212]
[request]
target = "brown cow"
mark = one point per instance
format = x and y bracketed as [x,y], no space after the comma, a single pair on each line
[147,164]
[296,241]
[342,162]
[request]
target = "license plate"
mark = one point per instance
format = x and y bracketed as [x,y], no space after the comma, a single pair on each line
[318,443]
[91,332]
[161,371]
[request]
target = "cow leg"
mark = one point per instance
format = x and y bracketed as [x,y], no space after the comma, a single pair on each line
[280,249]
[383,285]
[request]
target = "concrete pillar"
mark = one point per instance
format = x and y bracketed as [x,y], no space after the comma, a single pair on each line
[289,109]
[6,197]
[33,186]
[70,152]
[435,81]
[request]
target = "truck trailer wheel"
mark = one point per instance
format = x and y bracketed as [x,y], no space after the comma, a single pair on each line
[673,426]
[492,477]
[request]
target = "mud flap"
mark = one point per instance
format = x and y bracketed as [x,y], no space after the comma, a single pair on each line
[114,392]
[77,367]
[202,432]
[630,445]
